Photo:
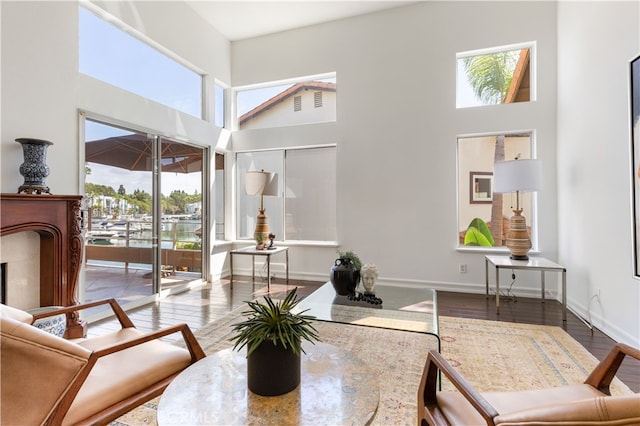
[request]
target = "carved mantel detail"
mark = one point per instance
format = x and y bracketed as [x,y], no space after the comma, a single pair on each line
[57,219]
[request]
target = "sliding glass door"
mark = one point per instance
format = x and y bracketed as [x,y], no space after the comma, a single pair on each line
[146,208]
[181,204]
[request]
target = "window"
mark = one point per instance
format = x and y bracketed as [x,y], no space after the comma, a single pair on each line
[497,76]
[114,56]
[304,176]
[297,102]
[219,196]
[476,199]
[220,120]
[248,206]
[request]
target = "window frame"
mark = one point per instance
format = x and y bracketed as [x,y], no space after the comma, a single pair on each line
[531,45]
[128,31]
[463,192]
[238,109]
[281,199]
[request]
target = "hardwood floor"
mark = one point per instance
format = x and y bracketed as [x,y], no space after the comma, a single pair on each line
[200,306]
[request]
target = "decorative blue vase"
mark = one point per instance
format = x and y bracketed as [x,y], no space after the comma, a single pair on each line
[34,169]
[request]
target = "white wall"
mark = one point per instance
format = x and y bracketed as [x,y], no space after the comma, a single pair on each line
[396,130]
[594,173]
[397,127]
[39,69]
[42,91]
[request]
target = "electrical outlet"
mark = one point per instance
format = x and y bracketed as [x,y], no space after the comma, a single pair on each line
[462,268]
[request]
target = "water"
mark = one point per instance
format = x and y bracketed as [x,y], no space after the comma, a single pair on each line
[172,233]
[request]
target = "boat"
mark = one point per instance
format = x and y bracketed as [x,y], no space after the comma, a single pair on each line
[93,236]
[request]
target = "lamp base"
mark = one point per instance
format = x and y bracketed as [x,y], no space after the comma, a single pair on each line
[518,241]
[261,233]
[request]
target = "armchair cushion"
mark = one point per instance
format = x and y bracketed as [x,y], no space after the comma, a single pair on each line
[16,314]
[459,411]
[118,375]
[603,410]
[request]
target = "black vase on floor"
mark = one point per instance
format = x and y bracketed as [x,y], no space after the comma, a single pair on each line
[272,370]
[344,276]
[34,169]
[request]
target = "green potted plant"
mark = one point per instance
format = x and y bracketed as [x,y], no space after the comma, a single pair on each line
[273,334]
[352,256]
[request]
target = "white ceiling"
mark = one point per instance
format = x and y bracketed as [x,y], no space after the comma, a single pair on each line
[240,19]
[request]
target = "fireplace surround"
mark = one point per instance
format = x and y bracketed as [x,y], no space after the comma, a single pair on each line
[57,220]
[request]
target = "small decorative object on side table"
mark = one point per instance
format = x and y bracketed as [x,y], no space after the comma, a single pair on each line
[273,335]
[272,237]
[259,242]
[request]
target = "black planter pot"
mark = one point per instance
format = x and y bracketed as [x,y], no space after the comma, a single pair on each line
[344,276]
[272,370]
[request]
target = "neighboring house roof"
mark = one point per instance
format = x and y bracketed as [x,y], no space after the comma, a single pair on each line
[519,90]
[282,96]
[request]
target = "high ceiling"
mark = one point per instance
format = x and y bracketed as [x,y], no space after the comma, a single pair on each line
[238,19]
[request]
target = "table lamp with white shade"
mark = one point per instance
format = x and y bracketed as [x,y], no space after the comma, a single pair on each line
[517,176]
[261,183]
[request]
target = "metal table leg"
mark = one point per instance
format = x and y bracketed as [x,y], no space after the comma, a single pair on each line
[268,273]
[497,291]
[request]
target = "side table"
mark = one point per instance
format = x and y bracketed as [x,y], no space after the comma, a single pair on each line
[335,388]
[253,252]
[534,263]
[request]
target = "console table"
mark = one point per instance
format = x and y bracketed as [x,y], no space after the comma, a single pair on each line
[253,252]
[534,263]
[335,388]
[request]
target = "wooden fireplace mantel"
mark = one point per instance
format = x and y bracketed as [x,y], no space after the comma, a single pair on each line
[56,218]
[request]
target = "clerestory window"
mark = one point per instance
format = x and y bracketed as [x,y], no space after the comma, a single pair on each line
[494,76]
[300,101]
[110,54]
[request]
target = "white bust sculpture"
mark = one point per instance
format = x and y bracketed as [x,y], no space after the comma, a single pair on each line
[369,274]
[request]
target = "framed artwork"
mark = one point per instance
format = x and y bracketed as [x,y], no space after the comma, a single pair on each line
[480,187]
[635,161]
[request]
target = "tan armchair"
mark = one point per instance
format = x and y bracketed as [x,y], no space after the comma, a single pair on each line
[589,403]
[52,381]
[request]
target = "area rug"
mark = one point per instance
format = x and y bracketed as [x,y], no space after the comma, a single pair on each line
[491,355]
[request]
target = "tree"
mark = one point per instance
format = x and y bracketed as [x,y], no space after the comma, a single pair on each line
[142,200]
[121,190]
[490,75]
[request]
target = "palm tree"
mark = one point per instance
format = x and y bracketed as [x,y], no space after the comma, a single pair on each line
[490,76]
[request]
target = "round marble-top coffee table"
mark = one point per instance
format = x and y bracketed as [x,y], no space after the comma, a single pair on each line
[336,388]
